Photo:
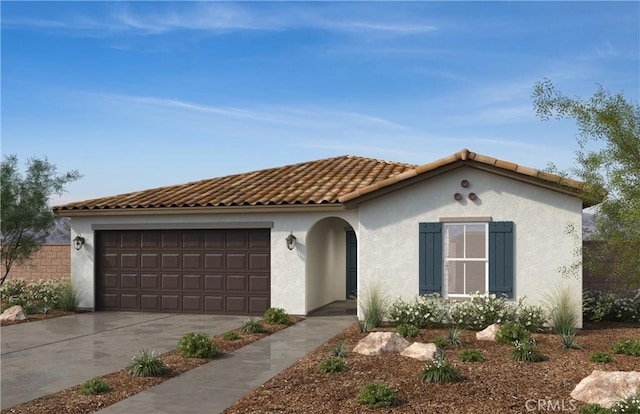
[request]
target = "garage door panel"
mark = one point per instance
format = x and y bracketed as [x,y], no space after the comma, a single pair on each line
[171,282]
[237,283]
[171,261]
[192,282]
[212,271]
[149,281]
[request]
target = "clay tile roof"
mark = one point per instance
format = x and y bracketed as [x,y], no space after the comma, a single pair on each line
[334,181]
[308,183]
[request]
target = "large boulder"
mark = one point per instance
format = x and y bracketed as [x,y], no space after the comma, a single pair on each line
[422,352]
[607,387]
[488,333]
[14,313]
[377,343]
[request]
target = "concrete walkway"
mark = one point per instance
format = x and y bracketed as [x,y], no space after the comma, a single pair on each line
[215,386]
[40,358]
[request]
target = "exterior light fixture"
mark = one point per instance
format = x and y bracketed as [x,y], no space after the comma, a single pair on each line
[291,241]
[78,242]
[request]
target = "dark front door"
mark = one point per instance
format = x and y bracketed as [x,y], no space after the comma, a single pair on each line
[352,264]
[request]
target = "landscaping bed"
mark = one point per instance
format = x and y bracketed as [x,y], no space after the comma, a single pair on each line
[39,317]
[123,385]
[496,385]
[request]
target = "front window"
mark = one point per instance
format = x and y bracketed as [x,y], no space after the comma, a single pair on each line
[466,265]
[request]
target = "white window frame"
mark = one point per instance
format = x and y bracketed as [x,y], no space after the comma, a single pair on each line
[446,260]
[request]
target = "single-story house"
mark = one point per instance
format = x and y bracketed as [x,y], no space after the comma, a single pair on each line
[305,235]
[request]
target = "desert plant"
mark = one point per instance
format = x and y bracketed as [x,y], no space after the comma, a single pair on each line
[562,311]
[333,365]
[68,298]
[526,352]
[510,332]
[408,331]
[471,355]
[146,364]
[373,304]
[251,326]
[377,394]
[568,341]
[230,336]
[453,337]
[276,316]
[439,371]
[363,325]
[601,358]
[630,404]
[197,345]
[440,342]
[626,347]
[94,386]
[340,350]
[593,409]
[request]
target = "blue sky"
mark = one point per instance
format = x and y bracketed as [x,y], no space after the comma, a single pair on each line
[145,94]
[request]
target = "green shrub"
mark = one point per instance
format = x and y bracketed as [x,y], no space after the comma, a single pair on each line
[593,409]
[561,306]
[568,341]
[94,386]
[423,311]
[526,352]
[373,305]
[609,306]
[333,365]
[34,297]
[601,357]
[440,342]
[230,336]
[197,345]
[471,355]
[510,332]
[377,394]
[146,365]
[533,318]
[251,326]
[363,325]
[479,311]
[68,298]
[626,347]
[276,316]
[339,350]
[630,405]
[439,371]
[453,337]
[408,331]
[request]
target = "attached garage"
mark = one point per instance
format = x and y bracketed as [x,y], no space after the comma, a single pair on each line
[215,271]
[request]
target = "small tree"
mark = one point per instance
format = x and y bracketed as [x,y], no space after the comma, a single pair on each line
[25,217]
[610,166]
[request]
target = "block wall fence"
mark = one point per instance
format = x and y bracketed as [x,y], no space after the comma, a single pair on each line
[51,262]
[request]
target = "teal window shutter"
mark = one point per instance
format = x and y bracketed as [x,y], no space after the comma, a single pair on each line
[430,261]
[501,271]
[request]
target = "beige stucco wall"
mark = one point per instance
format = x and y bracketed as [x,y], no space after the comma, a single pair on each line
[50,262]
[288,268]
[388,233]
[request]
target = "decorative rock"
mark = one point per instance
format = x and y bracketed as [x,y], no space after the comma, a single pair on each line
[377,343]
[606,388]
[422,352]
[14,313]
[488,333]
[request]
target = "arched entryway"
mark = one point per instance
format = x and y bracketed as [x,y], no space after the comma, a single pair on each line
[332,263]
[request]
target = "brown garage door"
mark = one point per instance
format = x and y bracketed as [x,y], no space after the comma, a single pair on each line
[198,271]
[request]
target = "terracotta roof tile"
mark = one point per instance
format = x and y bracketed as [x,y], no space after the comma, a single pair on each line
[327,181]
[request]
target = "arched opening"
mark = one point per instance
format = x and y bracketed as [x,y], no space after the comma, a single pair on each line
[331,267]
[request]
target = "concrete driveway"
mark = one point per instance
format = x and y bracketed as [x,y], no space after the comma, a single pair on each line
[40,358]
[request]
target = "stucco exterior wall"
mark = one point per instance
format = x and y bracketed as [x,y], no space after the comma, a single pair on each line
[288,280]
[388,233]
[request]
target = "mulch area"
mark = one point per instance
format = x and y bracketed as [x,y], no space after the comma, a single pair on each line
[496,385]
[123,385]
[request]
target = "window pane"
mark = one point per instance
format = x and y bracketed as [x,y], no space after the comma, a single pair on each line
[454,240]
[476,241]
[455,277]
[476,277]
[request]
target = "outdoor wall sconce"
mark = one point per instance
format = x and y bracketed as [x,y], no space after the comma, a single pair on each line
[457,196]
[78,242]
[472,196]
[291,241]
[464,183]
